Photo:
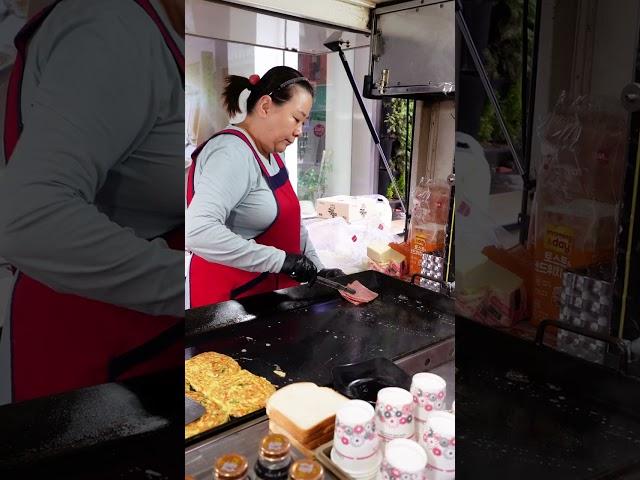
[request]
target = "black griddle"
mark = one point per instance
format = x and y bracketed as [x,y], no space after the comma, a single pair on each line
[127,430]
[306,331]
[525,411]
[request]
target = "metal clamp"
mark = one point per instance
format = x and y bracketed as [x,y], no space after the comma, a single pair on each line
[613,341]
[630,97]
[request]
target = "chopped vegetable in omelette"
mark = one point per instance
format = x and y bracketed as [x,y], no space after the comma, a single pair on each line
[223,388]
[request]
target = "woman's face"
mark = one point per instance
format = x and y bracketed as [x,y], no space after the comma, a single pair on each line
[283,123]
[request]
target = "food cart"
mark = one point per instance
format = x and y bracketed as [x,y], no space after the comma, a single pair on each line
[359,55]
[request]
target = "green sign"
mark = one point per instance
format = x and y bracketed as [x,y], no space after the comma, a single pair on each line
[319,109]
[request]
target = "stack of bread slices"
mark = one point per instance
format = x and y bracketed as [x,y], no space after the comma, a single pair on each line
[305,413]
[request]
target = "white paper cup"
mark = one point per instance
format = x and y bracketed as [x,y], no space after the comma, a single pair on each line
[403,460]
[355,440]
[394,414]
[359,475]
[429,391]
[438,439]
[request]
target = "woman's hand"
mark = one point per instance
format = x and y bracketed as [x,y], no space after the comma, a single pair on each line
[331,273]
[299,267]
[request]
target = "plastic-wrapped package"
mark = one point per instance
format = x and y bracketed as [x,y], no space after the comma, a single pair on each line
[344,245]
[491,277]
[579,186]
[428,220]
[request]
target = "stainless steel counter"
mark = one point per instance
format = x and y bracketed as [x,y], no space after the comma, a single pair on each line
[244,439]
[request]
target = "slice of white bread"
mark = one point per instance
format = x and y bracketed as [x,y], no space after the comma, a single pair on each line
[307,412]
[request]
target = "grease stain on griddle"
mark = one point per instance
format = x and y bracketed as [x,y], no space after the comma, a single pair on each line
[524,416]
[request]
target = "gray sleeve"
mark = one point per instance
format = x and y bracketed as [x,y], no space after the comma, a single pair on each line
[221,185]
[95,100]
[306,246]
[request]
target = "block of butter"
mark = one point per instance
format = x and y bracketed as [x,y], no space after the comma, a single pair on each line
[383,253]
[491,294]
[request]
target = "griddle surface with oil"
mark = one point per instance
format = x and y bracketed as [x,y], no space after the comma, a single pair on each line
[306,332]
[530,412]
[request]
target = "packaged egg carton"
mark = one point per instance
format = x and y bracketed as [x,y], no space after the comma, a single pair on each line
[432,266]
[585,302]
[430,284]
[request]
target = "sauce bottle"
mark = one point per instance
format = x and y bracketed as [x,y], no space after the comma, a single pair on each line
[274,458]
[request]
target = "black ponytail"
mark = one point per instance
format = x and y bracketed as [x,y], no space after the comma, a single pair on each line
[276,83]
[235,85]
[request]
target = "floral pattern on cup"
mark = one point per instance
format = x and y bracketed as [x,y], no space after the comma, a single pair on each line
[357,435]
[394,417]
[429,401]
[389,472]
[438,445]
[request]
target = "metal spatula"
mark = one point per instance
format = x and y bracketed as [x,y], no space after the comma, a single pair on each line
[192,410]
[335,285]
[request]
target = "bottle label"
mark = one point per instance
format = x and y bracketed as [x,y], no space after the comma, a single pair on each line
[281,473]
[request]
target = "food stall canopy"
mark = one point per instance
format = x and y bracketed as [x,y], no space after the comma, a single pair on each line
[271,28]
[350,14]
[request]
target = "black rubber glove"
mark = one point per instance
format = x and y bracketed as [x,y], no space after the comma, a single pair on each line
[331,273]
[300,268]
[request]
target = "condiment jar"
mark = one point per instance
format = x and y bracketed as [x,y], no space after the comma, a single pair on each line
[306,469]
[274,458]
[231,467]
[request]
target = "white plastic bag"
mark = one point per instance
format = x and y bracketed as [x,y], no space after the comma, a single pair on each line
[344,245]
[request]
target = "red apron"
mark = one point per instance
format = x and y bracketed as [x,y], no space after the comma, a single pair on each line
[59,341]
[212,282]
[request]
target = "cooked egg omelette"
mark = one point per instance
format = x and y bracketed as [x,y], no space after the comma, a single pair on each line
[218,383]
[241,393]
[203,369]
[214,415]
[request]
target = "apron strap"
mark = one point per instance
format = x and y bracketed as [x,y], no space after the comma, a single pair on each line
[148,350]
[168,39]
[236,292]
[279,161]
[13,114]
[194,160]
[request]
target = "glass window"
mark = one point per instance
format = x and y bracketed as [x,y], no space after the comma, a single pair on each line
[320,162]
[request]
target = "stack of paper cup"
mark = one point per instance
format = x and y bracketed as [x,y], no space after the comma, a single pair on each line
[394,414]
[403,460]
[356,445]
[438,439]
[429,391]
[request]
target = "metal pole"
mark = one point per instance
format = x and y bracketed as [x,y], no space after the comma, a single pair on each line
[462,25]
[374,134]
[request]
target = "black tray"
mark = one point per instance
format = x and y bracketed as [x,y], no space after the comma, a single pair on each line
[363,380]
[305,332]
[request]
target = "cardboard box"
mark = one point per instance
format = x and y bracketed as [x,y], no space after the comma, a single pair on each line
[568,236]
[365,207]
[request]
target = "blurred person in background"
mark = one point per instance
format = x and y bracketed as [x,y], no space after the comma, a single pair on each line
[91,199]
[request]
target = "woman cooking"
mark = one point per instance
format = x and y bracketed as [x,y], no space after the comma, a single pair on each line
[243,224]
